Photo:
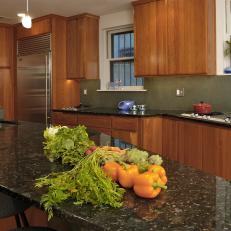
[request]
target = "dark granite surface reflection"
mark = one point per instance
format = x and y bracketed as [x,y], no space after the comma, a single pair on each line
[194,201]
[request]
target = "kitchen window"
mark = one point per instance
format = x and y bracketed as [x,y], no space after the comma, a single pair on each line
[120,61]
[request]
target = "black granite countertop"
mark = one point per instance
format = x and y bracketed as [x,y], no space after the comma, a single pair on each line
[146,113]
[194,200]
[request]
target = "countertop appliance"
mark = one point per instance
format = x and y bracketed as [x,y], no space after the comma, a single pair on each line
[213,116]
[125,105]
[202,108]
[34,79]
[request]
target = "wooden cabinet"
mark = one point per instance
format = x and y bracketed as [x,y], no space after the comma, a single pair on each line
[96,122]
[203,146]
[64,118]
[6,46]
[42,25]
[170,138]
[174,37]
[127,129]
[150,25]
[83,47]
[7,93]
[152,134]
[65,92]
[190,143]
[217,150]
[7,77]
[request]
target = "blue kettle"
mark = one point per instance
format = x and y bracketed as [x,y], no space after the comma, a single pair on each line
[125,105]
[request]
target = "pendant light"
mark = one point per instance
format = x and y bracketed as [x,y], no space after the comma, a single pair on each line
[26,19]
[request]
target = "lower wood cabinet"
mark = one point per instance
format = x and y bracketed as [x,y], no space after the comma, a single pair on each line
[170,138]
[190,143]
[152,134]
[64,118]
[96,122]
[200,145]
[217,150]
[126,128]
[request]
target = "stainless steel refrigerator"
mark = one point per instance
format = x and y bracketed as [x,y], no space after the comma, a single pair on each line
[34,79]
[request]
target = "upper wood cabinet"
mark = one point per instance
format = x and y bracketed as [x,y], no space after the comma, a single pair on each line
[83,47]
[6,46]
[150,27]
[174,37]
[40,26]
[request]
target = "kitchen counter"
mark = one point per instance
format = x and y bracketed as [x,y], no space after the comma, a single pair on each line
[142,114]
[193,201]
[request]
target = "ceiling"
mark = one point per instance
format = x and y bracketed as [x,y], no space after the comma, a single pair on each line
[37,8]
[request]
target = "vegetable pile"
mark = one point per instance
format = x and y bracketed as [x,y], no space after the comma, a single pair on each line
[69,144]
[98,172]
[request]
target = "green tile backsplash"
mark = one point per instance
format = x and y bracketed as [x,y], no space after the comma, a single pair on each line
[161,93]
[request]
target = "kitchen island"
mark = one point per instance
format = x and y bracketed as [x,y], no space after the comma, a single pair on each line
[193,201]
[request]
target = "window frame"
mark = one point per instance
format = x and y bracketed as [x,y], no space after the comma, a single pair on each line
[106,62]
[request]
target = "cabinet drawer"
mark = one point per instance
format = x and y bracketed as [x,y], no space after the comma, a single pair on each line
[95,121]
[63,118]
[129,137]
[127,124]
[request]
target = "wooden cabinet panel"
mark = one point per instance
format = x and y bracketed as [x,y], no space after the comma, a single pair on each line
[125,123]
[152,134]
[62,118]
[6,46]
[174,37]
[7,93]
[127,136]
[188,37]
[65,92]
[95,121]
[40,26]
[83,47]
[150,25]
[190,143]
[170,138]
[217,151]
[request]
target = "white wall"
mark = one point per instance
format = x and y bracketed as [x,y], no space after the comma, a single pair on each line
[108,22]
[222,36]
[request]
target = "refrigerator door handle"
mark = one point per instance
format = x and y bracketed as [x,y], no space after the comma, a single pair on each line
[46,74]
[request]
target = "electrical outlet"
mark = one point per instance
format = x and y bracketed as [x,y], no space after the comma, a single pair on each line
[180,92]
[85,91]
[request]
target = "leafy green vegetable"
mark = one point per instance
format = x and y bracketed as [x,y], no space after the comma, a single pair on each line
[135,156]
[66,143]
[85,183]
[155,159]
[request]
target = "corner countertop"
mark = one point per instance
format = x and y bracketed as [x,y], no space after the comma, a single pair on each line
[141,114]
[193,201]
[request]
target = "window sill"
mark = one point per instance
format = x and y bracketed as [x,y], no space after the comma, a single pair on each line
[123,90]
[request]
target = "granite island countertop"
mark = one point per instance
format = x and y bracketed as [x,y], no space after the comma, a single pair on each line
[142,114]
[194,200]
